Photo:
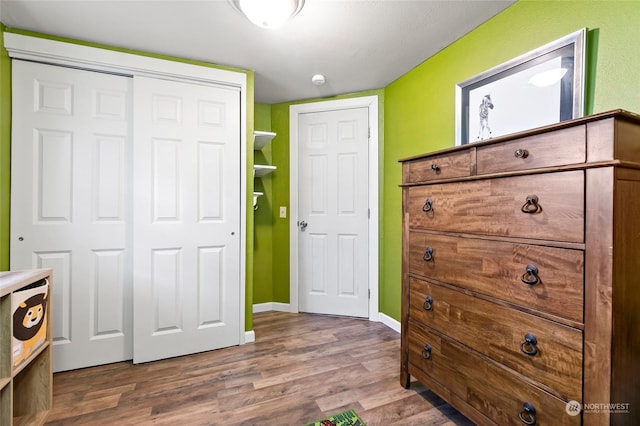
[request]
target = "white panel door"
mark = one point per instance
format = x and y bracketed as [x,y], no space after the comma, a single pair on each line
[70,207]
[333,212]
[186,213]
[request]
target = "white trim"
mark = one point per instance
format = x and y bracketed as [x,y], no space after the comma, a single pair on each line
[96,59]
[271,306]
[249,336]
[390,322]
[370,102]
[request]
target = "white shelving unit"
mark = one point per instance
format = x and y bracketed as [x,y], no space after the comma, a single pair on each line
[260,140]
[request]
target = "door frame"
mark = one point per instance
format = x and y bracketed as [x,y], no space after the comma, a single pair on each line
[103,60]
[371,103]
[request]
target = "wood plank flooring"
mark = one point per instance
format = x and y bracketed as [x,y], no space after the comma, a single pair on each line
[301,368]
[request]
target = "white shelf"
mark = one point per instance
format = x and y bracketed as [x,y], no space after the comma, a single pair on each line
[261,139]
[260,170]
[255,198]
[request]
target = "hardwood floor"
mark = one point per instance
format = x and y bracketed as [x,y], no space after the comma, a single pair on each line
[301,368]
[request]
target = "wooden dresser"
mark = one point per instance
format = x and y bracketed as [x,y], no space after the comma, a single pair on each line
[521,274]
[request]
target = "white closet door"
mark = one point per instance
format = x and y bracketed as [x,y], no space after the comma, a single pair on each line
[186,212]
[70,208]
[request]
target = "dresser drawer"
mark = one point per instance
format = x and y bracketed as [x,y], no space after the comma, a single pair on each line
[438,167]
[504,206]
[499,333]
[567,146]
[501,269]
[492,390]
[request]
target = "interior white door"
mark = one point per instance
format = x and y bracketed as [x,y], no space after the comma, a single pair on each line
[70,208]
[333,212]
[186,213]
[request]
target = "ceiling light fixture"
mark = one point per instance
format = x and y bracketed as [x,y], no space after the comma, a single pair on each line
[268,13]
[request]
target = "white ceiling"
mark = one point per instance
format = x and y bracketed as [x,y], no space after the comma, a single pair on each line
[357,44]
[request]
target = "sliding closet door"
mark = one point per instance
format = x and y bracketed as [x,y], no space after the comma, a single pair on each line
[186,212]
[142,229]
[70,206]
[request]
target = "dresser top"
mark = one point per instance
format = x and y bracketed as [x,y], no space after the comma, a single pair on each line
[618,114]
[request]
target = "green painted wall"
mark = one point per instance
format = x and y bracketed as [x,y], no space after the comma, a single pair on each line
[420,105]
[280,182]
[5,151]
[264,218]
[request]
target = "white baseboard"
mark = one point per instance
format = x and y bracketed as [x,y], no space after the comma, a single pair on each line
[249,336]
[389,322]
[271,306]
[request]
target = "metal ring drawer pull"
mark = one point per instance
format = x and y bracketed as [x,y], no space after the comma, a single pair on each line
[531,205]
[427,205]
[528,414]
[426,352]
[435,168]
[428,303]
[529,345]
[531,275]
[428,255]
[521,153]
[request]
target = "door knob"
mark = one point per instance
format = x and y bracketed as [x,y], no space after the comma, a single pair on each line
[303,225]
